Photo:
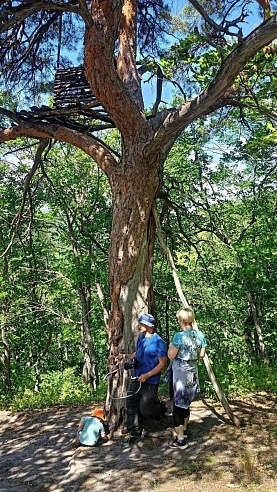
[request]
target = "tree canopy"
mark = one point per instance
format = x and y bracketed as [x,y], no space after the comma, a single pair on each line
[217,67]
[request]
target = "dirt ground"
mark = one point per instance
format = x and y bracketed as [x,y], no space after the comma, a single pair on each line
[38,452]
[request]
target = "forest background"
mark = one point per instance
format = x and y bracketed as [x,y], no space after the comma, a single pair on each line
[217,208]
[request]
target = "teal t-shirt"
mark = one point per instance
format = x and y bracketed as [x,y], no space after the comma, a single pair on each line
[89,435]
[188,343]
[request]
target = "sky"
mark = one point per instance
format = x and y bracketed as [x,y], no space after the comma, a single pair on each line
[149,89]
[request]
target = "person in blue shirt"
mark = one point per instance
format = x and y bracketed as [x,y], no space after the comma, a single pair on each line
[92,429]
[150,359]
[186,347]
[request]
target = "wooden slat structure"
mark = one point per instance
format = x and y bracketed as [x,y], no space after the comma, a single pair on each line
[72,88]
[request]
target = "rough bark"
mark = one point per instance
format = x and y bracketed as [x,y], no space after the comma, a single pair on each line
[136,177]
[130,258]
[89,372]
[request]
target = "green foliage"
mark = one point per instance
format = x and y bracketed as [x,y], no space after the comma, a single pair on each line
[219,217]
[57,387]
[193,62]
[235,379]
[239,379]
[220,225]
[8,101]
[41,310]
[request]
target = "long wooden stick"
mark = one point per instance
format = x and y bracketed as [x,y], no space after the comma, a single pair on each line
[222,398]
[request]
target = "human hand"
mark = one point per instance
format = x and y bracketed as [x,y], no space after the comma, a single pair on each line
[143,377]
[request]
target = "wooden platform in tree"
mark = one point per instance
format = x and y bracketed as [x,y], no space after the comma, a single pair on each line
[72,88]
[74,104]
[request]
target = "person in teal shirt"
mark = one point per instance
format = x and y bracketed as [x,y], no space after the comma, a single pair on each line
[186,347]
[92,429]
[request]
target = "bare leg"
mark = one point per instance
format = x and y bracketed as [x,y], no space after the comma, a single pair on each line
[180,432]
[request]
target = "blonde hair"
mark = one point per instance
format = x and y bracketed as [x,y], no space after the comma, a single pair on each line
[185,315]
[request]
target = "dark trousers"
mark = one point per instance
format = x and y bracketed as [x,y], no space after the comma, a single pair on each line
[142,403]
[179,414]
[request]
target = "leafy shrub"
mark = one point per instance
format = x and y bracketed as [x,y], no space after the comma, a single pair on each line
[238,379]
[56,388]
[66,387]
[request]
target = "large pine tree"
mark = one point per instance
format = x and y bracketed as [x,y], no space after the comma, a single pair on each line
[113,32]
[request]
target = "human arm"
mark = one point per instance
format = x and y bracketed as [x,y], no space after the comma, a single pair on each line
[81,425]
[202,345]
[79,430]
[172,352]
[156,370]
[104,430]
[202,353]
[120,357]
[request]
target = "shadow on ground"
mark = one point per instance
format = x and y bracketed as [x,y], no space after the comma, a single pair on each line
[38,452]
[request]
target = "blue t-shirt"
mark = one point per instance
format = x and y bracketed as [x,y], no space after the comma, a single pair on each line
[89,434]
[188,343]
[148,353]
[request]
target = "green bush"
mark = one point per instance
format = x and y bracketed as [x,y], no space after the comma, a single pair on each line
[56,388]
[238,379]
[66,387]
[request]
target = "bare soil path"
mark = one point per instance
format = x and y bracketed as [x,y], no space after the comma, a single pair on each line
[38,453]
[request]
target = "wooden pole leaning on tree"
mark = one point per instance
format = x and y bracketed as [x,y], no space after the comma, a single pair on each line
[222,398]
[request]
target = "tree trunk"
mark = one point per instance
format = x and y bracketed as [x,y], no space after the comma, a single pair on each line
[6,352]
[6,346]
[130,264]
[103,304]
[89,372]
[257,326]
[39,358]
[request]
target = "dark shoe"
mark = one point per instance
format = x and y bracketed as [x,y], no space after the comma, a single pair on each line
[175,444]
[168,413]
[128,440]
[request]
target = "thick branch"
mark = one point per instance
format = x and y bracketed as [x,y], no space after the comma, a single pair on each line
[11,16]
[126,59]
[176,120]
[88,144]
[115,96]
